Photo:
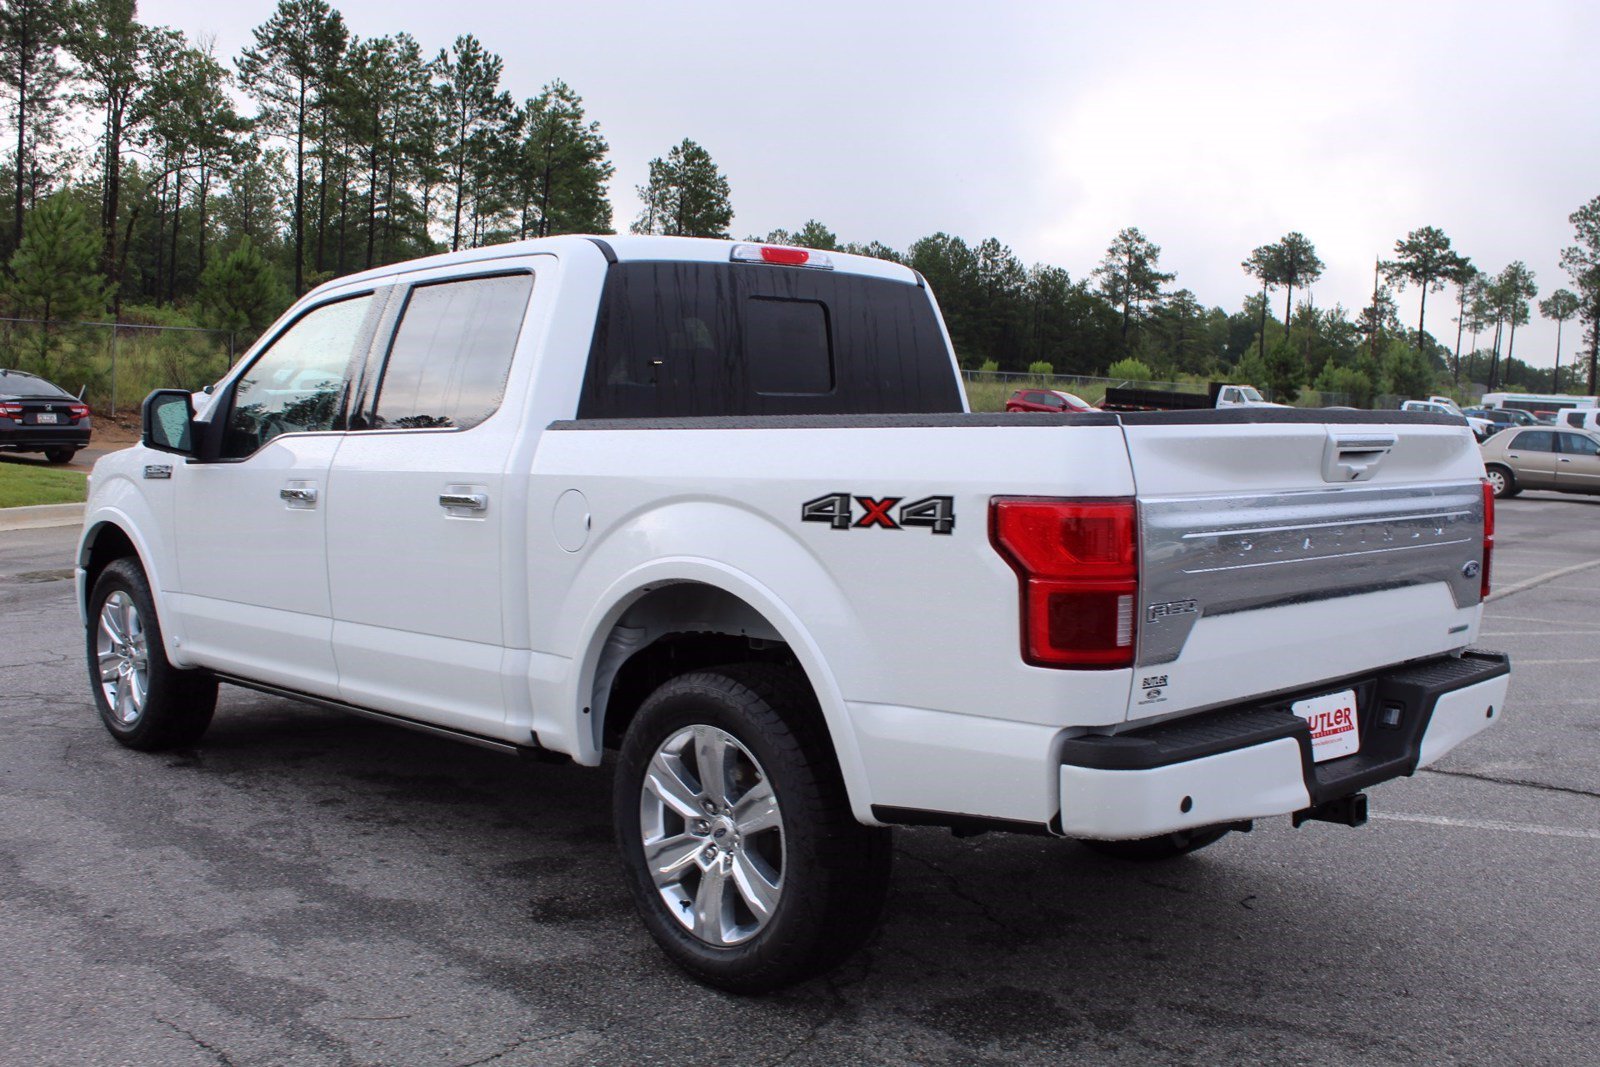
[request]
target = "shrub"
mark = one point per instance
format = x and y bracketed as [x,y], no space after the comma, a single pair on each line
[1130,369]
[1042,368]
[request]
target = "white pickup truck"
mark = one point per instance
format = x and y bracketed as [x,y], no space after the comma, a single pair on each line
[722,507]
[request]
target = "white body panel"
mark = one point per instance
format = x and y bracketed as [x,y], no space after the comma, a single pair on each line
[251,593]
[498,623]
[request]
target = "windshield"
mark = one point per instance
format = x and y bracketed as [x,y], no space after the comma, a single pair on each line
[28,385]
[1248,392]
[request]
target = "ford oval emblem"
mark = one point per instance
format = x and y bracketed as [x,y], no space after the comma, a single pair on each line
[1470,570]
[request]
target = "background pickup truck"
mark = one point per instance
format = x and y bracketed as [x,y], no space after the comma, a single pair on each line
[1218,395]
[721,507]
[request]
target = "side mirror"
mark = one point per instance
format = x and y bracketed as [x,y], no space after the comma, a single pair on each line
[169,422]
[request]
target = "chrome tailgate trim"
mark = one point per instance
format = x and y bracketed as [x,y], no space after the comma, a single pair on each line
[1219,554]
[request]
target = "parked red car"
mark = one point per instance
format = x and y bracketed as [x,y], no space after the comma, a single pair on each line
[1046,400]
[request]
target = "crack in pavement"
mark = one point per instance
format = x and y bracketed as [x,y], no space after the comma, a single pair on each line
[222,1057]
[956,888]
[1495,780]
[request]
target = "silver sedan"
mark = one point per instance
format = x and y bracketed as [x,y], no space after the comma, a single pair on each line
[1567,461]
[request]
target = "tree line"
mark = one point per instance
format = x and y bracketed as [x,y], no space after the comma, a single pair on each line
[356,152]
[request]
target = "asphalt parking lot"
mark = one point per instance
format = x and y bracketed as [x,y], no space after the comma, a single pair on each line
[306,888]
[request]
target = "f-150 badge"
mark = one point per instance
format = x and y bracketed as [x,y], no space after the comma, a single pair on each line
[838,510]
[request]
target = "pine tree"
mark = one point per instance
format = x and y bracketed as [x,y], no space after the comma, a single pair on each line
[1425,259]
[1129,277]
[241,293]
[112,50]
[561,170]
[476,113]
[289,70]
[31,33]
[55,274]
[686,196]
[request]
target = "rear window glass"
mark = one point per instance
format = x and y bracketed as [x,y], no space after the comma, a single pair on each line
[27,385]
[689,339]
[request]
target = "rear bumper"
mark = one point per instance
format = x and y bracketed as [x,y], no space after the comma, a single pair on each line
[1255,761]
[39,438]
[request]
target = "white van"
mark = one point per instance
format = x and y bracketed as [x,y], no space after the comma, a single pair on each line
[1579,418]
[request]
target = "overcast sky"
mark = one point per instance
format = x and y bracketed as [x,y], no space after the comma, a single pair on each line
[1212,127]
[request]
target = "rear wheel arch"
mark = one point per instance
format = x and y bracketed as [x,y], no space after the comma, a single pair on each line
[667,629]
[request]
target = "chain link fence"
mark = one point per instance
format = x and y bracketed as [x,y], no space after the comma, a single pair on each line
[115,365]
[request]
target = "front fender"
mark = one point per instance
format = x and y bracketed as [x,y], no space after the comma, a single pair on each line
[119,503]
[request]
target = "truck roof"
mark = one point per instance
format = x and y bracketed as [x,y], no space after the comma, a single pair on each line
[625,248]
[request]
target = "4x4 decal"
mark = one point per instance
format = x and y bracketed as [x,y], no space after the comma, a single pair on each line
[838,510]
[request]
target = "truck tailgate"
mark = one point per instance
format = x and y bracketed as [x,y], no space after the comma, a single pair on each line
[1324,545]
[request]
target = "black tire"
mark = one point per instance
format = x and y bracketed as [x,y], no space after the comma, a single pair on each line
[60,455]
[1163,847]
[833,871]
[178,704]
[1502,480]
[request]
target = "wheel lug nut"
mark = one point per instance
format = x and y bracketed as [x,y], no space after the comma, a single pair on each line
[702,827]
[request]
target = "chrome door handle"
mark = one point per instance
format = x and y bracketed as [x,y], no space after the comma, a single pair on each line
[466,501]
[299,494]
[1564,459]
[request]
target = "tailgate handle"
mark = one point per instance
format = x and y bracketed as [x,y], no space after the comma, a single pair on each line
[1354,458]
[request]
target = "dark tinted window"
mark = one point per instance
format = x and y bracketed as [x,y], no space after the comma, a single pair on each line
[15,384]
[1578,444]
[787,346]
[451,353]
[685,339]
[1535,441]
[297,383]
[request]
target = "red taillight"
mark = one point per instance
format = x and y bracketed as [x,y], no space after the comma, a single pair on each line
[10,409]
[788,257]
[1488,537]
[1078,564]
[79,411]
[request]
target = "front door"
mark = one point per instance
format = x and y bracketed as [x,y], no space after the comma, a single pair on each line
[251,536]
[1532,454]
[419,507]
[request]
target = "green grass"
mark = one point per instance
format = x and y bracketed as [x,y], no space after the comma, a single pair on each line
[22,485]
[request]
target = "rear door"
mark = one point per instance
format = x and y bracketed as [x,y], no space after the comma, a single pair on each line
[1578,464]
[419,504]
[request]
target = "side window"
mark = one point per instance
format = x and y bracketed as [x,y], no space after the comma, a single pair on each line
[296,384]
[451,354]
[1535,441]
[1577,444]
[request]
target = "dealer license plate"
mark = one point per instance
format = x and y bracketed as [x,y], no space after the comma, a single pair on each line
[1334,729]
[45,418]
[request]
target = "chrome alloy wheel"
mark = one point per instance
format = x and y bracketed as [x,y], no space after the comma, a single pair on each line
[124,658]
[713,835]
